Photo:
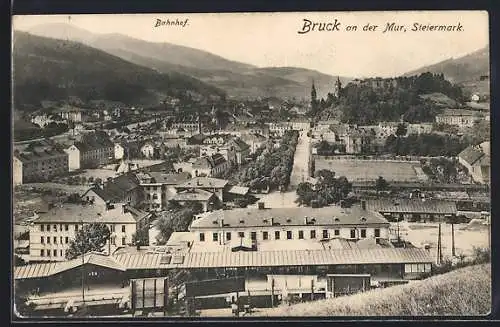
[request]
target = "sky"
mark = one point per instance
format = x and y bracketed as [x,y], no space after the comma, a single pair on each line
[272,39]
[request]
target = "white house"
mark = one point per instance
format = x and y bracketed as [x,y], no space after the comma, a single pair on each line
[148,150]
[52,232]
[119,151]
[73,157]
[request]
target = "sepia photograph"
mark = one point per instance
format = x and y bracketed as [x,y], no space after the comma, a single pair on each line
[251,165]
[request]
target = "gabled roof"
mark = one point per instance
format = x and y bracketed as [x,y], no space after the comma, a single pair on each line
[412,206]
[327,216]
[40,270]
[169,179]
[193,195]
[204,182]
[75,213]
[471,154]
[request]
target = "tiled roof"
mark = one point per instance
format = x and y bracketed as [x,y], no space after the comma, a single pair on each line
[412,206]
[241,190]
[327,216]
[193,195]
[29,156]
[471,154]
[204,182]
[280,258]
[75,213]
[39,270]
[169,179]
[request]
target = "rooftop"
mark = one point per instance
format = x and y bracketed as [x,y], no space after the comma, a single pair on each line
[193,195]
[459,112]
[473,155]
[141,260]
[249,217]
[76,213]
[204,182]
[412,206]
[166,178]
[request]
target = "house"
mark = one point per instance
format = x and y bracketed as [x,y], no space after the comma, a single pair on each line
[414,209]
[241,149]
[255,141]
[122,189]
[272,226]
[279,128]
[148,150]
[38,163]
[228,151]
[69,113]
[475,98]
[207,200]
[159,187]
[119,151]
[209,166]
[212,185]
[51,233]
[91,152]
[459,117]
[477,160]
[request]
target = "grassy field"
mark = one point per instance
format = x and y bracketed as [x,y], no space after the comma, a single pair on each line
[360,170]
[462,292]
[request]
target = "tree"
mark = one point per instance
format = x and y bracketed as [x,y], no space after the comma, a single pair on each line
[92,237]
[401,130]
[381,184]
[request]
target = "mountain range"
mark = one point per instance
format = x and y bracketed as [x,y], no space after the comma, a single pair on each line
[141,71]
[239,80]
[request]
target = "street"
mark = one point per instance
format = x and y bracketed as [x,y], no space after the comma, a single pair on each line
[300,171]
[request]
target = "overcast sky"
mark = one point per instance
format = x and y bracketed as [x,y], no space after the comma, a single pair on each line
[272,39]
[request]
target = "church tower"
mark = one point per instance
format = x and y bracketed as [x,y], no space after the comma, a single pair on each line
[314,97]
[337,92]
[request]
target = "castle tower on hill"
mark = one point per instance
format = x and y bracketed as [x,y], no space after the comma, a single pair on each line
[337,92]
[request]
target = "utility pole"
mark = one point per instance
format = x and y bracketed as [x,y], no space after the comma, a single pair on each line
[272,293]
[452,240]
[439,256]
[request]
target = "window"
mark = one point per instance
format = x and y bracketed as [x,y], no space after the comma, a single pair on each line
[353,233]
[112,228]
[55,228]
[276,235]
[48,253]
[61,253]
[55,239]
[202,237]
[113,241]
[253,235]
[48,240]
[363,233]
[325,233]
[42,228]
[215,237]
[123,228]
[42,253]
[241,234]
[336,232]
[61,238]
[228,236]
[76,228]
[123,241]
[66,227]
[66,240]
[60,228]
[289,235]
[301,234]
[377,232]
[48,228]
[55,253]
[42,240]
[265,235]
[313,234]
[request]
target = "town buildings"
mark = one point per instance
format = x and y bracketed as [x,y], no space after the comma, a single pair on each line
[263,225]
[51,233]
[210,166]
[38,164]
[90,153]
[459,117]
[159,188]
[122,189]
[414,209]
[476,158]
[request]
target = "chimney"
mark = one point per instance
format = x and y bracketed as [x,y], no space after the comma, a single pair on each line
[363,204]
[221,222]
[305,220]
[261,205]
[271,221]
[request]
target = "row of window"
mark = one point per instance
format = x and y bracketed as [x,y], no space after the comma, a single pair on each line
[289,234]
[418,268]
[66,228]
[53,253]
[43,239]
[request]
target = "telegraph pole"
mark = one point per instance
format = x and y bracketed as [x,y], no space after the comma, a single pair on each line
[452,240]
